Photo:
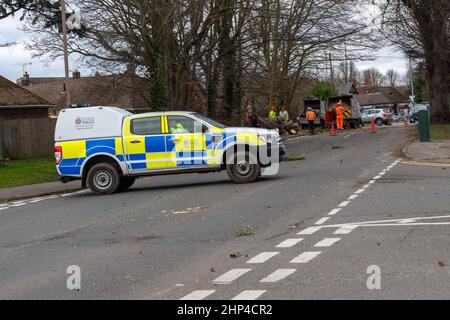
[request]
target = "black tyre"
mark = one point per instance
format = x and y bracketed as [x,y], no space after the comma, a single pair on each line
[243,167]
[103,178]
[379,122]
[126,183]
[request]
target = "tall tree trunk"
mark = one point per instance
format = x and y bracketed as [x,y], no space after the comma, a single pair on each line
[439,77]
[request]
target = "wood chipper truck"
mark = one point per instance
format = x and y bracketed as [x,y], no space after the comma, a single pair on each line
[352,112]
[318,107]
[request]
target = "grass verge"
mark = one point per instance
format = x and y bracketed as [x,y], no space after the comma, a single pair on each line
[440,132]
[23,172]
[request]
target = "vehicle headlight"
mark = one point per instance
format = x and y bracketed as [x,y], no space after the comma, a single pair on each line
[269,138]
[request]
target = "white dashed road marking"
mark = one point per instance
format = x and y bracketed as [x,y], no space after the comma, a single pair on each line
[334,211]
[309,230]
[262,257]
[278,275]
[198,295]
[345,229]
[344,204]
[322,220]
[249,295]
[230,276]
[289,243]
[306,257]
[327,242]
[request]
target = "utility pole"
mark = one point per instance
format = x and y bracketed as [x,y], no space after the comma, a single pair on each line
[411,80]
[347,76]
[66,54]
[331,69]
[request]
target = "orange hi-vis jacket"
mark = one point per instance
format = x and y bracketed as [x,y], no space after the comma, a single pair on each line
[310,116]
[340,112]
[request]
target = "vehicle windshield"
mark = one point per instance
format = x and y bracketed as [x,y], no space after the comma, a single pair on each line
[210,121]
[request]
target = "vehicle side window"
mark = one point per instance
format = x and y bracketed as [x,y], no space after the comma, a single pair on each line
[180,124]
[146,126]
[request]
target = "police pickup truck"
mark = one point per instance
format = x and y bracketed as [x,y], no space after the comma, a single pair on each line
[108,147]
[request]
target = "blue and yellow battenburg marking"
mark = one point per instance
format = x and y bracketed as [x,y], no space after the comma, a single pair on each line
[156,151]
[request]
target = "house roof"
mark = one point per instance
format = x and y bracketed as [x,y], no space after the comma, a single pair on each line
[369,95]
[13,95]
[96,91]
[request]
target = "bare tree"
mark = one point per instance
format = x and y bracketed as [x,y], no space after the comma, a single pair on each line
[372,77]
[391,77]
[422,29]
[230,50]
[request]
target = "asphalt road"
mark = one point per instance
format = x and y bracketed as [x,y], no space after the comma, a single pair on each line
[175,237]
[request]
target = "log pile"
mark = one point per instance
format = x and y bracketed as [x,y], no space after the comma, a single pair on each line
[285,128]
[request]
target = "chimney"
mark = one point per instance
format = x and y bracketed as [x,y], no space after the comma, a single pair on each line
[76,74]
[25,79]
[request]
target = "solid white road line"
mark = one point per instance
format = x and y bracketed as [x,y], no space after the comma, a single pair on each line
[4,208]
[365,186]
[4,205]
[278,275]
[309,230]
[249,295]
[359,191]
[36,200]
[353,197]
[198,295]
[327,242]
[344,203]
[17,204]
[334,211]
[376,177]
[322,220]
[372,181]
[305,257]
[345,229]
[230,276]
[262,257]
[289,243]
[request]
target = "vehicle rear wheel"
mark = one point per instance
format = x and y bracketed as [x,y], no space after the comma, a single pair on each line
[126,183]
[103,178]
[243,167]
[379,122]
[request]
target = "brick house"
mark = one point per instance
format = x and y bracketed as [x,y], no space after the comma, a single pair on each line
[125,90]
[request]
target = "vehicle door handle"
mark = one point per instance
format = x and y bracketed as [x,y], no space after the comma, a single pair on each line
[135,141]
[174,139]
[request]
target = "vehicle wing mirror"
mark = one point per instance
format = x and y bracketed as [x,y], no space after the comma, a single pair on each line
[204,129]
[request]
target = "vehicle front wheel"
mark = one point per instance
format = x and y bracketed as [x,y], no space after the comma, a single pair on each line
[243,167]
[103,178]
[379,122]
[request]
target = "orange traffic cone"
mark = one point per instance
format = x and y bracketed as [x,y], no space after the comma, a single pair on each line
[372,126]
[333,133]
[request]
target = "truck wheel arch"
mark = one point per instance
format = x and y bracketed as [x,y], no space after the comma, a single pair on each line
[99,158]
[231,149]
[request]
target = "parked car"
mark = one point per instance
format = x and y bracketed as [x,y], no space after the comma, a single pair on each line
[415,109]
[381,116]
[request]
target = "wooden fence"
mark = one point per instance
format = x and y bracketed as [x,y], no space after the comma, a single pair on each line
[26,138]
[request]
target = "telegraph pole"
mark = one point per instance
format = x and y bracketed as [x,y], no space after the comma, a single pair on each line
[331,69]
[66,54]
[411,80]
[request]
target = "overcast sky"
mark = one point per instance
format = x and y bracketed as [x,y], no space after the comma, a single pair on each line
[12,57]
